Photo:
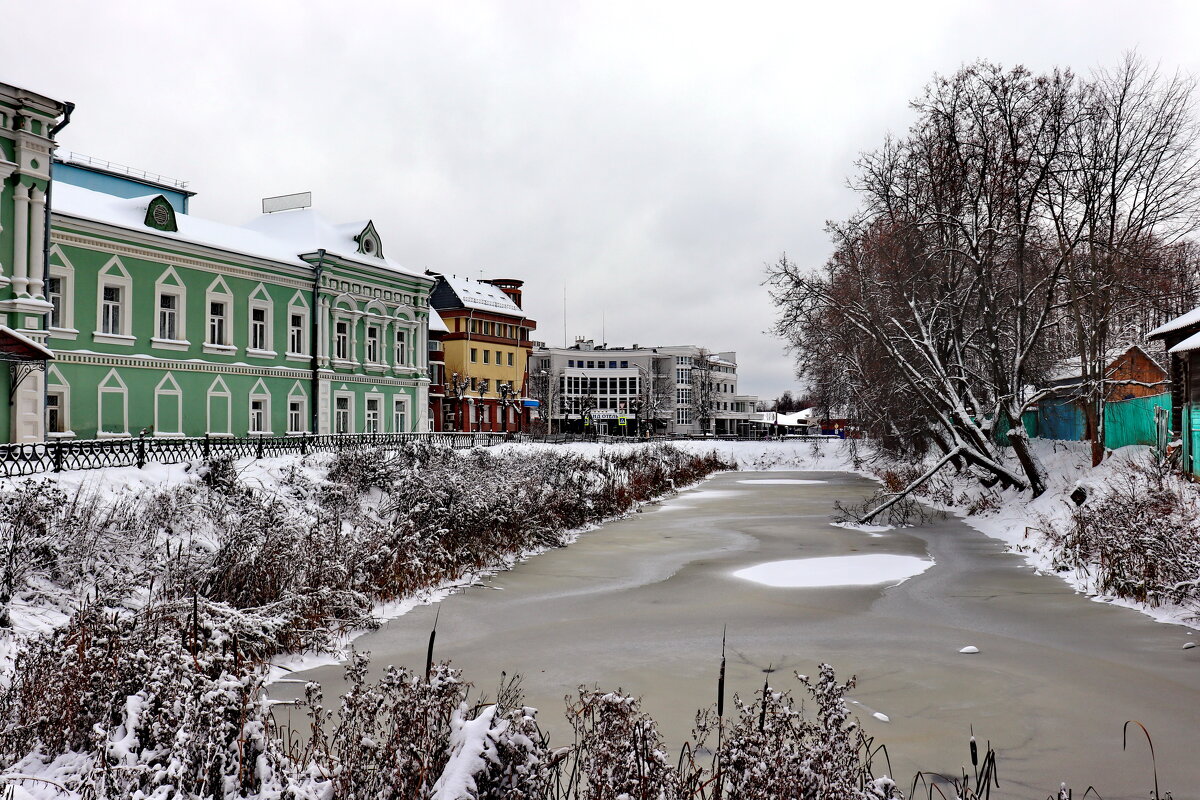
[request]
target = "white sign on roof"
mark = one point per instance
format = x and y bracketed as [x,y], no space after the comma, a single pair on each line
[286,202]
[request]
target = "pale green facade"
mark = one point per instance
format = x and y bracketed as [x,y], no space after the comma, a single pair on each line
[166,325]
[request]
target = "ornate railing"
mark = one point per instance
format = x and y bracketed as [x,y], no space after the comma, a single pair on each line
[64,454]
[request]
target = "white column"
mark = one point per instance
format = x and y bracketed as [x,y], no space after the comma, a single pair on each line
[322,312]
[37,233]
[21,239]
[1,221]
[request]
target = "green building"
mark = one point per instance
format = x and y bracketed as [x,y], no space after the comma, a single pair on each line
[167,324]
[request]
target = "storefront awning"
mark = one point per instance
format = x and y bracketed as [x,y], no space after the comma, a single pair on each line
[530,403]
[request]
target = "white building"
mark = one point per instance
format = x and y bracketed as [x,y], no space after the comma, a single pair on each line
[678,390]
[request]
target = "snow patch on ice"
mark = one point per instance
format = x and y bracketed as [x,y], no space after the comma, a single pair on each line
[861,570]
[969,649]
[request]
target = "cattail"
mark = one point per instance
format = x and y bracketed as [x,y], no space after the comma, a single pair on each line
[721,679]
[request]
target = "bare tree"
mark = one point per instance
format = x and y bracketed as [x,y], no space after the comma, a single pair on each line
[1018,207]
[1135,190]
[655,397]
[703,390]
[546,387]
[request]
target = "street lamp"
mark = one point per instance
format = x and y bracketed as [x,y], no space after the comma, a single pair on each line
[458,387]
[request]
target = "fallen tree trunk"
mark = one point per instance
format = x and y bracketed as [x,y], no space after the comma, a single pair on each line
[943,461]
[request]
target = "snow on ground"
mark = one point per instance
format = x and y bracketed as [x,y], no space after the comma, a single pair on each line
[861,570]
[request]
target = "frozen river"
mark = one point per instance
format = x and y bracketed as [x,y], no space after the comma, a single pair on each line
[640,603]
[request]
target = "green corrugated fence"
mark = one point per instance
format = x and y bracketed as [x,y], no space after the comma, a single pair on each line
[1132,421]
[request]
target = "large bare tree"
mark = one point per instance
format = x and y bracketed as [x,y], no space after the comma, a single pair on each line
[988,238]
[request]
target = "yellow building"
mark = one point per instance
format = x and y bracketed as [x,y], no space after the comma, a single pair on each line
[486,349]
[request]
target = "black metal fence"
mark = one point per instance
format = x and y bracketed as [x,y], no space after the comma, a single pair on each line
[55,456]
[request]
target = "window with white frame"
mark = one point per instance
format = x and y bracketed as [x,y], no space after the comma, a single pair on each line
[402,347]
[218,322]
[400,415]
[56,420]
[297,416]
[219,305]
[260,320]
[60,292]
[341,340]
[260,409]
[373,342]
[297,324]
[58,404]
[54,294]
[168,316]
[170,327]
[258,328]
[258,415]
[371,422]
[114,289]
[343,414]
[112,310]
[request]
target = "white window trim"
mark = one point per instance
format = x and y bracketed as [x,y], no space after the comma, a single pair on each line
[259,392]
[57,384]
[66,273]
[171,390]
[179,290]
[121,279]
[298,306]
[401,400]
[101,390]
[338,361]
[349,408]
[297,394]
[222,392]
[218,291]
[402,357]
[367,397]
[260,299]
[380,359]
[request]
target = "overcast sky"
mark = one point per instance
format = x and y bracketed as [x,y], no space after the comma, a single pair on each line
[647,158]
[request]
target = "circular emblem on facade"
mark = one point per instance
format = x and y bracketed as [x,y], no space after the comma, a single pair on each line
[161,215]
[368,246]
[33,163]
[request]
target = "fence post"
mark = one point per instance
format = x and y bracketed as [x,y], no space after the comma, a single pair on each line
[258,450]
[141,450]
[304,444]
[58,455]
[207,452]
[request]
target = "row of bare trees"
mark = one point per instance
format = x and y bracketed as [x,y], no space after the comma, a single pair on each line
[1025,220]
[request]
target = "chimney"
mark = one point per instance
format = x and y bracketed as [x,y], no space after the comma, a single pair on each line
[510,286]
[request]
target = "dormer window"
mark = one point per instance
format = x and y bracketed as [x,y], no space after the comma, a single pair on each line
[369,243]
[160,215]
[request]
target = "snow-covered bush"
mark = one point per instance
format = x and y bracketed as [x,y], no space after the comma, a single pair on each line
[176,597]
[1137,535]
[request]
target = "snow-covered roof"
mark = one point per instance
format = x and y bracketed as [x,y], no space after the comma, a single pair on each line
[1182,321]
[282,236]
[482,296]
[436,323]
[1188,344]
[18,344]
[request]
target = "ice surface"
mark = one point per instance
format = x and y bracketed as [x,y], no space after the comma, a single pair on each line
[863,570]
[783,481]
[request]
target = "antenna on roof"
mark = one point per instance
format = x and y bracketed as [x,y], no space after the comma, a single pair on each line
[286,202]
